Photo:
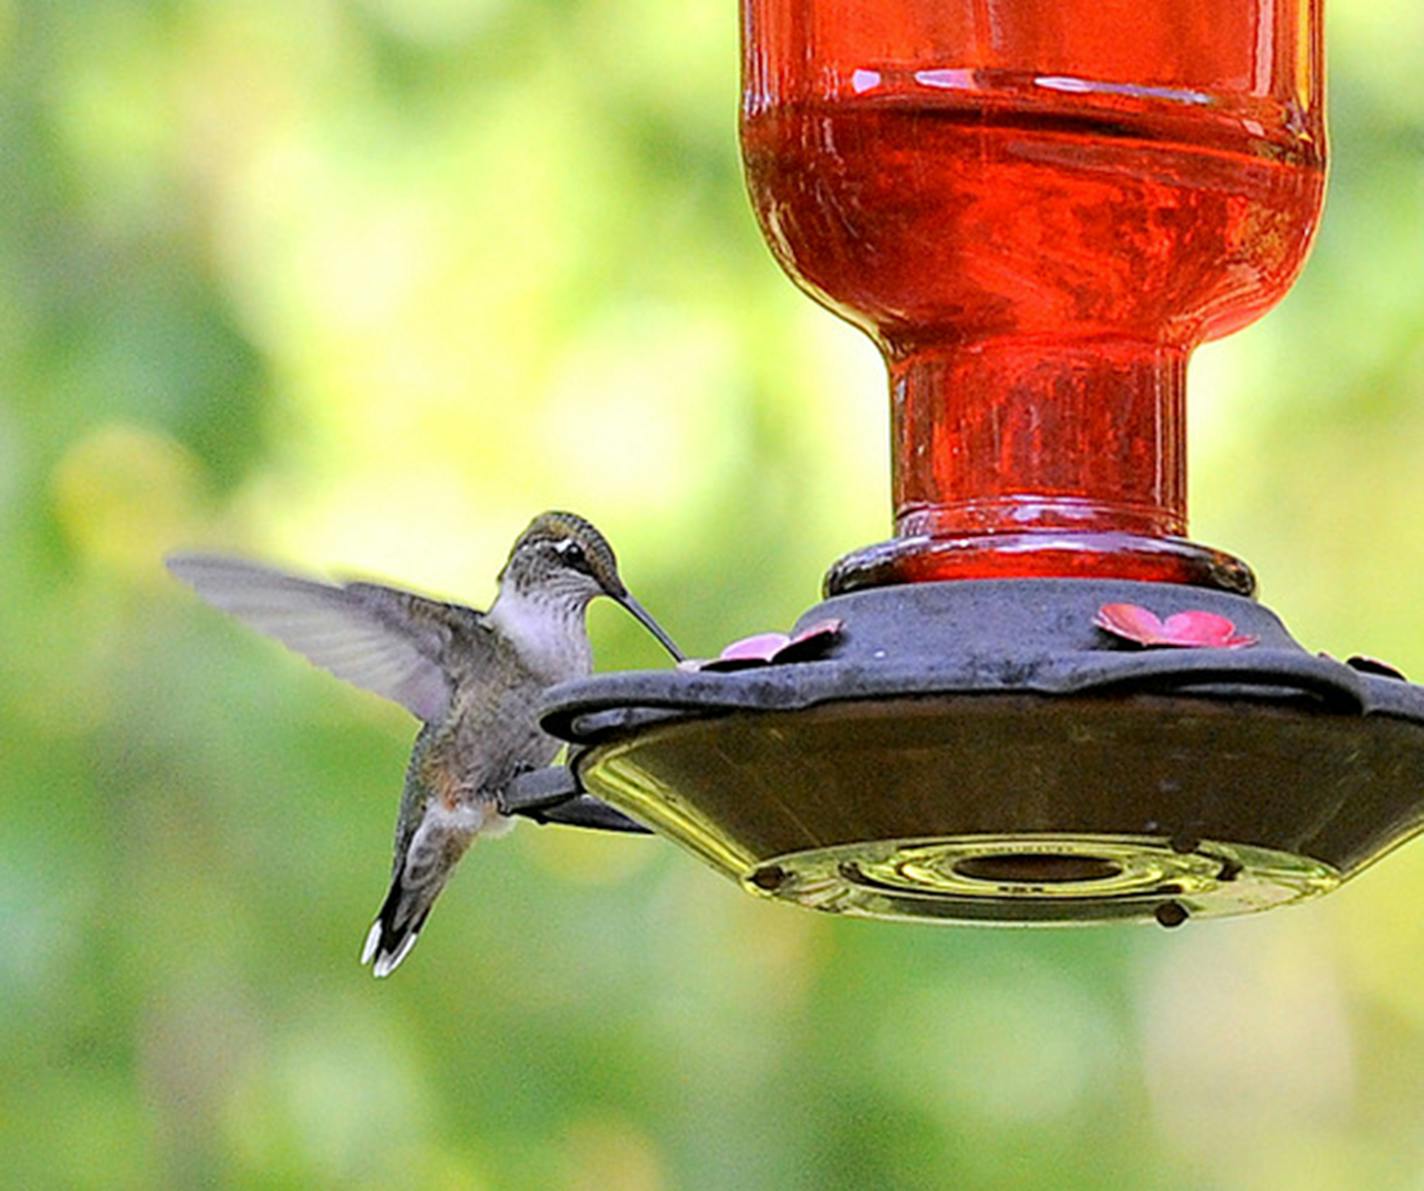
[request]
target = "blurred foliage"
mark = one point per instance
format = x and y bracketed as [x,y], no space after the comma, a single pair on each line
[363,285]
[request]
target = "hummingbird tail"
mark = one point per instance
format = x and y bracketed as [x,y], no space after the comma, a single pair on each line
[397,926]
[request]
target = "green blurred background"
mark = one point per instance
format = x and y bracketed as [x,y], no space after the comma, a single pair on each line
[362,286]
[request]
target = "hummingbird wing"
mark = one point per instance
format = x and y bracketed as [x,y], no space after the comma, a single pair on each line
[391,642]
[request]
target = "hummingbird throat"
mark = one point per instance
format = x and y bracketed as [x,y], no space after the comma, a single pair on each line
[546,628]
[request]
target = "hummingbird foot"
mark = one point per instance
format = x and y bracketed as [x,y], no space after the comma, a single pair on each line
[552,794]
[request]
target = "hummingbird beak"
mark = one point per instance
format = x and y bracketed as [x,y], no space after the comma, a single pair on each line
[646,620]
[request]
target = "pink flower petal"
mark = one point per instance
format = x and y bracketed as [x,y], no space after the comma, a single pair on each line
[1130,621]
[1198,628]
[729,665]
[758,650]
[1182,630]
[809,642]
[762,647]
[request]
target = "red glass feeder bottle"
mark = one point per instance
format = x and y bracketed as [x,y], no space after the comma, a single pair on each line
[1037,209]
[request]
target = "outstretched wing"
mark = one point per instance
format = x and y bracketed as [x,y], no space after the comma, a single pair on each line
[391,642]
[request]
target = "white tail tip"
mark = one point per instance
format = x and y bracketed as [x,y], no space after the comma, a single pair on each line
[373,940]
[386,964]
[386,961]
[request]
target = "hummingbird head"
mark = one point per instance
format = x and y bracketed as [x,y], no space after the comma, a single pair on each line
[562,560]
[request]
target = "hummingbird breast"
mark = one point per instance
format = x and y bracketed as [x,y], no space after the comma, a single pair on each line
[494,728]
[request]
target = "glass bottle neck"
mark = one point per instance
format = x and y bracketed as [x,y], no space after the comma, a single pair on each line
[1014,436]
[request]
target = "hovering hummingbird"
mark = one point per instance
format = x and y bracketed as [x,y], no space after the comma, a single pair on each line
[474,678]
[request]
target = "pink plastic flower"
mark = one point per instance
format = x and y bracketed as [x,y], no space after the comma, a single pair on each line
[1181,630]
[767,649]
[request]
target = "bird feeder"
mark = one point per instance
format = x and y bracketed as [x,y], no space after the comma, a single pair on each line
[1039,702]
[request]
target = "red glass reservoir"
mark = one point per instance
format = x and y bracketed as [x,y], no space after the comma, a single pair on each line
[1037,208]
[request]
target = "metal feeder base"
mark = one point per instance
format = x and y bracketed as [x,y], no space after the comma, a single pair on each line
[978,751]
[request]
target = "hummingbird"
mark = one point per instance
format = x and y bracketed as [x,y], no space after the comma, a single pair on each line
[472,678]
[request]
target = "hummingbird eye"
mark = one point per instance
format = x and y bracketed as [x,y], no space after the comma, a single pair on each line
[573,555]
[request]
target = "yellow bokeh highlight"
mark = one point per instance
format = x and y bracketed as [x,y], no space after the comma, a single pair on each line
[602,1152]
[125,495]
[1257,1006]
[580,858]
